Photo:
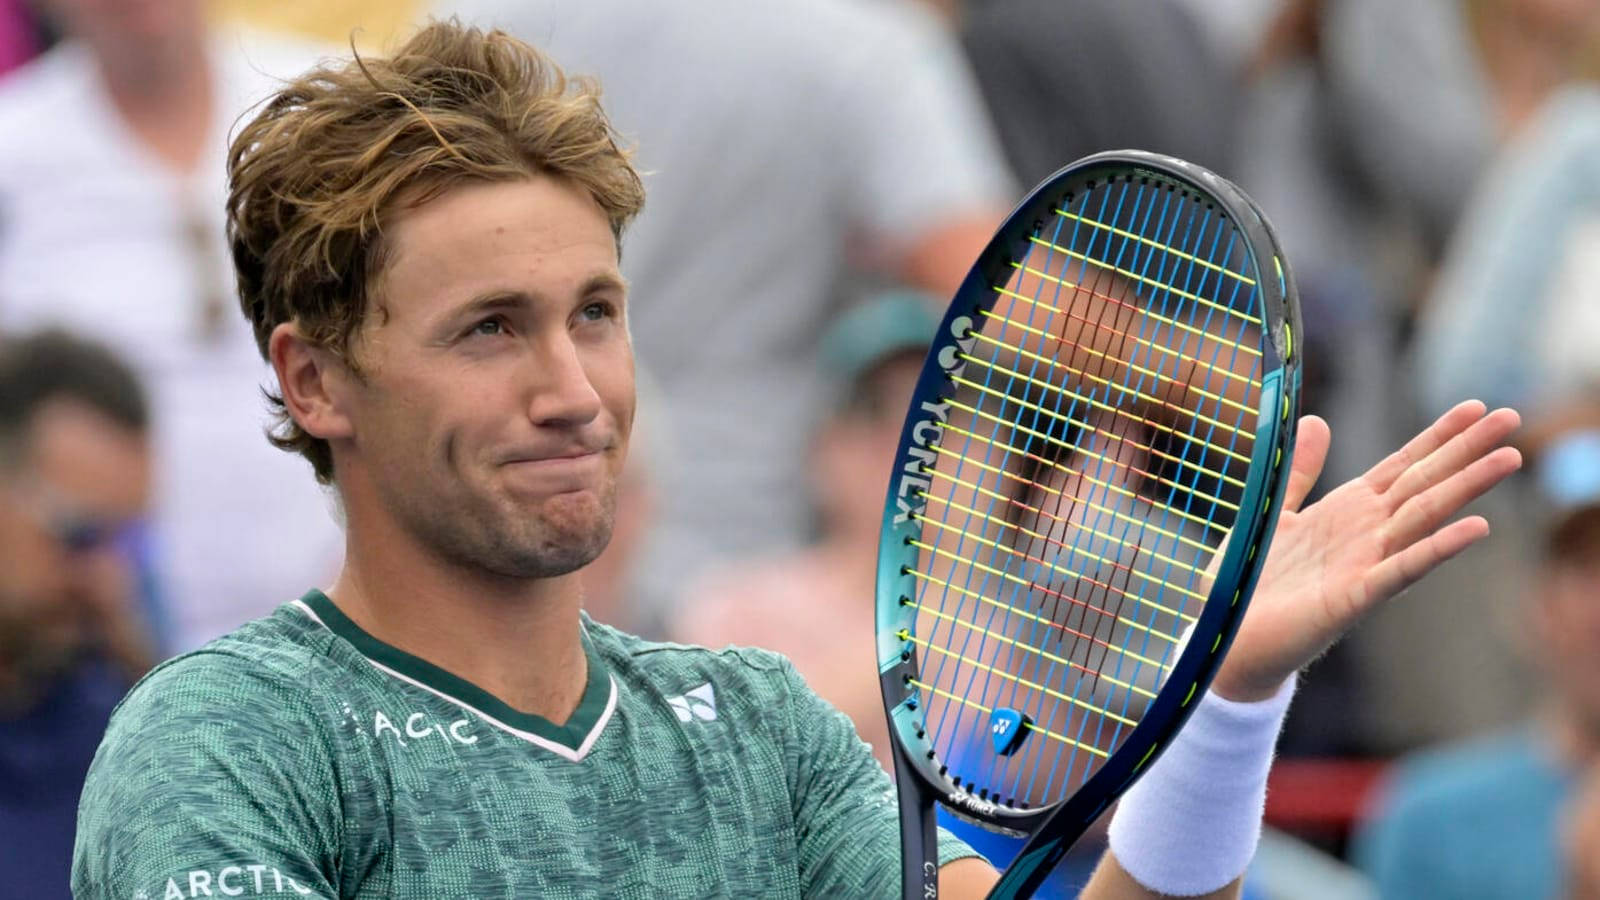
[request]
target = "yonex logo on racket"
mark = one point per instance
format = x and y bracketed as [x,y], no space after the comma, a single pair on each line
[950,356]
[964,799]
[925,434]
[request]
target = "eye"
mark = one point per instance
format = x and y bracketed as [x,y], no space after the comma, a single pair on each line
[489,327]
[597,311]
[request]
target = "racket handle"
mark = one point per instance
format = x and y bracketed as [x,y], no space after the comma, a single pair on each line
[919,834]
[1028,871]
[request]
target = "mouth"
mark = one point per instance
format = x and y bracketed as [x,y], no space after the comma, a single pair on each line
[554,463]
[555,457]
[578,469]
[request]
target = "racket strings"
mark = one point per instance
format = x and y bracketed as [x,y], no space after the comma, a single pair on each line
[1119,431]
[1173,251]
[1155,284]
[1055,612]
[1148,345]
[1049,623]
[1077,502]
[1029,583]
[1146,420]
[1206,326]
[1037,408]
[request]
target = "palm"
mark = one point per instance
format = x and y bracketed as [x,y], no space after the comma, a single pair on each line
[1364,542]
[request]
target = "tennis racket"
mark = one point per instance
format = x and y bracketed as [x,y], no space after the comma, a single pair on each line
[1087,480]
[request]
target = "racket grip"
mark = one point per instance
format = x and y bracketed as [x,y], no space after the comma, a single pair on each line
[919,834]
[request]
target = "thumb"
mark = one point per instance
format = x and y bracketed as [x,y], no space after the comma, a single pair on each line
[1310,453]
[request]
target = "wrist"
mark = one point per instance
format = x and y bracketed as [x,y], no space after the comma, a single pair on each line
[1243,690]
[1191,825]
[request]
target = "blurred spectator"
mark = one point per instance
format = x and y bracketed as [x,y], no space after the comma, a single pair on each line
[1581,840]
[1063,80]
[815,604]
[111,199]
[1484,819]
[1236,29]
[74,476]
[19,38]
[1366,125]
[790,143]
[1515,316]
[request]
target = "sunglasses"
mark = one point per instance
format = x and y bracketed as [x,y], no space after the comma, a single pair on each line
[74,530]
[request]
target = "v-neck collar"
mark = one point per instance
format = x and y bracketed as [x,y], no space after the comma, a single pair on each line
[571,740]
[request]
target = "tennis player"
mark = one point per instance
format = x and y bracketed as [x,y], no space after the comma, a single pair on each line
[427,249]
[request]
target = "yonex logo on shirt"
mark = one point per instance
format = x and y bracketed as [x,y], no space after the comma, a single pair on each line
[700,703]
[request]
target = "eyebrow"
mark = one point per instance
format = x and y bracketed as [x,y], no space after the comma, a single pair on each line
[515,298]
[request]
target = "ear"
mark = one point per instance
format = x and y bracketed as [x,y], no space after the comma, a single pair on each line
[315,383]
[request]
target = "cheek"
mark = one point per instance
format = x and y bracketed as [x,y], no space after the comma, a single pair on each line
[611,375]
[405,427]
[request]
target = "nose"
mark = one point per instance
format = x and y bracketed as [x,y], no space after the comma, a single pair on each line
[562,393]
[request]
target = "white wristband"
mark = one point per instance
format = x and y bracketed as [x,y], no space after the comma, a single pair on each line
[1191,824]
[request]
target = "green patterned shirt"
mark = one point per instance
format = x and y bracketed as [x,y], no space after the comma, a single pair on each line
[300,756]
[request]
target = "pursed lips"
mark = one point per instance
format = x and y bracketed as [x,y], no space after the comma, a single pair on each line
[567,468]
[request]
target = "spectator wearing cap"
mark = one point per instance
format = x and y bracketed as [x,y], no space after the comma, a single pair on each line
[815,604]
[1485,819]
[74,478]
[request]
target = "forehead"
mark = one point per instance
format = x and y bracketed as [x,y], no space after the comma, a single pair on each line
[92,460]
[539,233]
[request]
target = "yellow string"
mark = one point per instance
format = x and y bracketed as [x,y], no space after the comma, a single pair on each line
[1160,669]
[1160,286]
[1158,245]
[1030,725]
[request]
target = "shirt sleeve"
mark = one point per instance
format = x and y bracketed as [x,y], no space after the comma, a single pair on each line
[214,779]
[1496,300]
[846,818]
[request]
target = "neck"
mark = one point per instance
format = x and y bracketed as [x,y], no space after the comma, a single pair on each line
[517,639]
[1576,740]
[1524,65]
[164,96]
[852,553]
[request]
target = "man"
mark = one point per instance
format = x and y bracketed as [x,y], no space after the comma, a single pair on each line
[860,122]
[112,181]
[1485,818]
[427,249]
[74,475]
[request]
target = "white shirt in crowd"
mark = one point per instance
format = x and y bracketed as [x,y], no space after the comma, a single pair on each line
[100,237]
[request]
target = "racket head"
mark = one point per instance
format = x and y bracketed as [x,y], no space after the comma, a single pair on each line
[1054,437]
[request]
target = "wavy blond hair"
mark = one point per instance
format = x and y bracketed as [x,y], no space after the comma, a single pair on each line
[340,150]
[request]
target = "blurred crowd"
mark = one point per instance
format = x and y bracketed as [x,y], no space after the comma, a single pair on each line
[820,174]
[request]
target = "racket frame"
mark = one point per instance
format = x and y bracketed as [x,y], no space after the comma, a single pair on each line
[1053,828]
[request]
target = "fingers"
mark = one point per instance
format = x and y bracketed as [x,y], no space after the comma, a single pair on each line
[1310,453]
[1381,476]
[1405,568]
[1455,455]
[1428,510]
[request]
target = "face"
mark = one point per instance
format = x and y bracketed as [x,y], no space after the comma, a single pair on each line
[855,449]
[128,26]
[1567,618]
[492,417]
[83,478]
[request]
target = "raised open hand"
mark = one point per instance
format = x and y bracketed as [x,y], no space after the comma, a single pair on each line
[1364,542]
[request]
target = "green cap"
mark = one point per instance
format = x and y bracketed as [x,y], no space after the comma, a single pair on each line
[879,327]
